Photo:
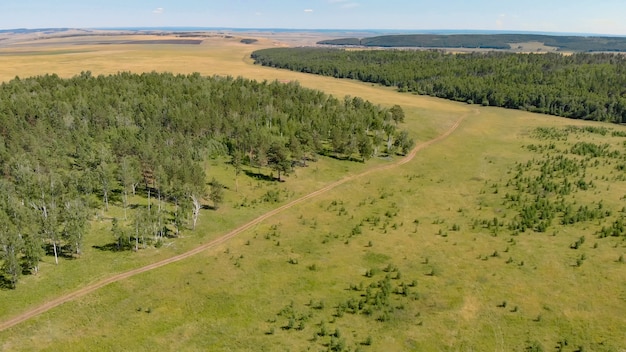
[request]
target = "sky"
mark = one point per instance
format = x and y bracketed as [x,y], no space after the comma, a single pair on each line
[568,16]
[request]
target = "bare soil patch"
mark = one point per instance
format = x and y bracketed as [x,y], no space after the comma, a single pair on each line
[165,41]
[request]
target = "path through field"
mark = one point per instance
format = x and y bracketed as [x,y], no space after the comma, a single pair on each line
[91,288]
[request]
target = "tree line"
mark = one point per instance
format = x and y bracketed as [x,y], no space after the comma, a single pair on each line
[486,41]
[579,86]
[70,147]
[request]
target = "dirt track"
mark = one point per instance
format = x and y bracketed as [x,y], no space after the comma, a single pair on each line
[90,288]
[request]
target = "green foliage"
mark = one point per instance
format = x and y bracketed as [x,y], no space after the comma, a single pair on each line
[404,142]
[590,149]
[271,196]
[616,229]
[381,300]
[278,159]
[578,86]
[541,186]
[485,41]
[71,146]
[10,247]
[397,113]
[216,193]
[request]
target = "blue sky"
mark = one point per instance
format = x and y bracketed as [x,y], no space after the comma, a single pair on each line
[580,16]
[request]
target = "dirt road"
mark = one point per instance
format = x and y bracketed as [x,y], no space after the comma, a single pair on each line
[90,288]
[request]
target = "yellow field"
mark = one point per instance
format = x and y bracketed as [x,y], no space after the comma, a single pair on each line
[215,56]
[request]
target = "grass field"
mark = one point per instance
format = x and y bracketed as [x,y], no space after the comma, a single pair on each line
[414,235]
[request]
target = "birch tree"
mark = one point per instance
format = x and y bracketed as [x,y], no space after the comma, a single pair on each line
[50,188]
[129,176]
[74,224]
[237,162]
[197,205]
[106,173]
[10,248]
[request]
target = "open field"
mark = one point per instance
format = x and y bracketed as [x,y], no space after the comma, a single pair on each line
[289,282]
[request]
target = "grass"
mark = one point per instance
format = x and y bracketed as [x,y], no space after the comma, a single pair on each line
[242,294]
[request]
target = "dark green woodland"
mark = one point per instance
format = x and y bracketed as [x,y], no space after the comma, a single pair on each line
[579,86]
[69,147]
[487,41]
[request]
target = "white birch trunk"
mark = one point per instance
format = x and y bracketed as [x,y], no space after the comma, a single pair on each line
[196,209]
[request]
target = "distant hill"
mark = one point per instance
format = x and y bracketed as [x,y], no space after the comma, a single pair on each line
[32,30]
[487,41]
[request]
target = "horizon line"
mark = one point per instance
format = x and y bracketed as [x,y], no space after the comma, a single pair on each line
[263,29]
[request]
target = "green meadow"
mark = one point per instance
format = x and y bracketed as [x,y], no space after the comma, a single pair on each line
[424,256]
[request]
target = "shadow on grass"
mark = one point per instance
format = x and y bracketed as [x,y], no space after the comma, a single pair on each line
[62,251]
[260,176]
[340,157]
[6,284]
[111,247]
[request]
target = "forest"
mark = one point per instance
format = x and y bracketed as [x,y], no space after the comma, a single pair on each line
[70,147]
[580,86]
[487,41]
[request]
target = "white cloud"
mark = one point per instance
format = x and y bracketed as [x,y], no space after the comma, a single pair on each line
[308,10]
[350,5]
[500,21]
[158,10]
